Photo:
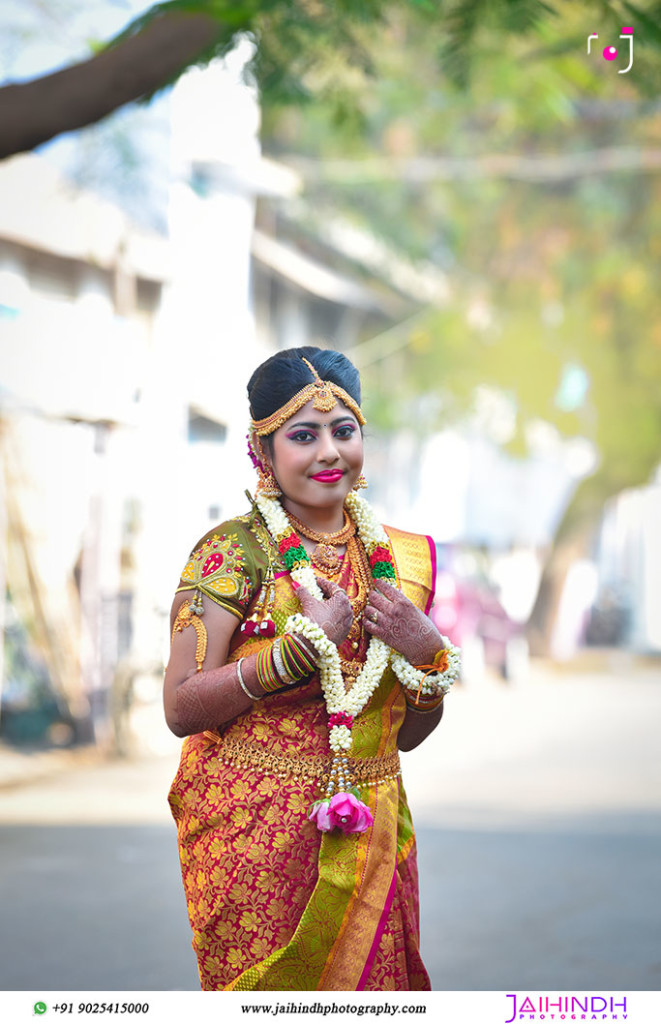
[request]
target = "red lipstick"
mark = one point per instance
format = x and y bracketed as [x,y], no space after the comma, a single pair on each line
[329,476]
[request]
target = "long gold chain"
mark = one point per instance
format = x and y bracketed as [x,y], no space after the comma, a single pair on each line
[362,576]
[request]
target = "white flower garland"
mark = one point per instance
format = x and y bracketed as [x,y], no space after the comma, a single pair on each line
[373,535]
[332,683]
[433,683]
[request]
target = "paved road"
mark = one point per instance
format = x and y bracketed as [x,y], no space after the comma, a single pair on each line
[538,812]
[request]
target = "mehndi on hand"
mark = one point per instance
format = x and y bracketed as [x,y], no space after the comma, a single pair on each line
[394,619]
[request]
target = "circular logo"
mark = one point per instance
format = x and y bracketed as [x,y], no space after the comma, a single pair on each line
[40,1008]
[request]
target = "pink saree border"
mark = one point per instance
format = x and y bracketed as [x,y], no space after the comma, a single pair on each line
[378,933]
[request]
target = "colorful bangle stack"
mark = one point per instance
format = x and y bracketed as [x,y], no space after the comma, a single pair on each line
[298,660]
[267,674]
[285,661]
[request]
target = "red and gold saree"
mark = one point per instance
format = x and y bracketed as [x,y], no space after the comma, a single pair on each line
[275,904]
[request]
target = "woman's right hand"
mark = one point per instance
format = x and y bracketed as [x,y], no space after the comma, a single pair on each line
[333,614]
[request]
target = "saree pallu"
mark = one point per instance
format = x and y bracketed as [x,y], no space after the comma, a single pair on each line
[275,904]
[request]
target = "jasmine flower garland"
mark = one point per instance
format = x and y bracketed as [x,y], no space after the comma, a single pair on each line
[344,707]
[375,540]
[429,683]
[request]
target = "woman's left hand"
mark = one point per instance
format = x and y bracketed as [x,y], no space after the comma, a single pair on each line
[391,617]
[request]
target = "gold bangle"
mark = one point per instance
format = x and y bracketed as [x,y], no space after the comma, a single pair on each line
[243,686]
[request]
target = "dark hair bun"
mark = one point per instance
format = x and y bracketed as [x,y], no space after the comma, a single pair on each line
[278,379]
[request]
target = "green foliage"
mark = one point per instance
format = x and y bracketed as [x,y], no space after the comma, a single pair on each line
[301,42]
[648,18]
[322,50]
[570,278]
[545,274]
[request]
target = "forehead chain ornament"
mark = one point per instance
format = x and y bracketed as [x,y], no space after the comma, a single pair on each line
[323,394]
[324,400]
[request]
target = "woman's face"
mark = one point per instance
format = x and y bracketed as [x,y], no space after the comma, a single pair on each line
[317,457]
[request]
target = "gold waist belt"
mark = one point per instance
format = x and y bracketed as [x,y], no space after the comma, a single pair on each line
[364,771]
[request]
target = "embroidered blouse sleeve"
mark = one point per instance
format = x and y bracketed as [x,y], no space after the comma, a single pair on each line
[222,567]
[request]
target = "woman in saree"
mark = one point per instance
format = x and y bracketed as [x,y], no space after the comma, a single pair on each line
[303,660]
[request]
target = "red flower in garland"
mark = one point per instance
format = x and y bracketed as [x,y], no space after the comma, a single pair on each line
[290,541]
[380,555]
[340,718]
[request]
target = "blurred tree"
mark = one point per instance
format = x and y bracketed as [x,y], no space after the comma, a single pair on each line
[305,48]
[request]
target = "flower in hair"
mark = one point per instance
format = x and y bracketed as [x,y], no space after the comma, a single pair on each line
[253,457]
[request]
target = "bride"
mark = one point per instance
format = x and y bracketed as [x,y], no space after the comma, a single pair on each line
[303,659]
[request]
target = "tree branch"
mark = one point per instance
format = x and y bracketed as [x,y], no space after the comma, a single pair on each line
[420,170]
[34,112]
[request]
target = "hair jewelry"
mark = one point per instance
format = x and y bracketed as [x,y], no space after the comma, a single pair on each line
[323,394]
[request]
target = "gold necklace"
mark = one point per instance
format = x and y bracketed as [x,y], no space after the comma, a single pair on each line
[329,563]
[360,567]
[324,556]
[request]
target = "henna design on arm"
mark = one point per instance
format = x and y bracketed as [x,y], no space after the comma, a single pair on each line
[206,700]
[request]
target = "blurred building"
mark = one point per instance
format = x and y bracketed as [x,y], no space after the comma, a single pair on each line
[124,357]
[80,288]
[627,606]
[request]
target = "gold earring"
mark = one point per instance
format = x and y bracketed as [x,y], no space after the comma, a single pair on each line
[267,484]
[360,483]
